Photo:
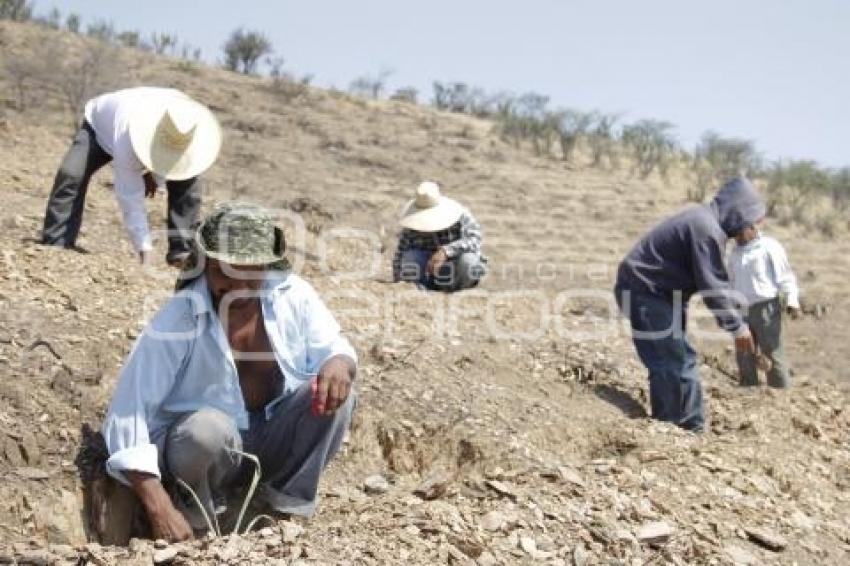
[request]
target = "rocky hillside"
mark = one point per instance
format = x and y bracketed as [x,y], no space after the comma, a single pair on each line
[503,425]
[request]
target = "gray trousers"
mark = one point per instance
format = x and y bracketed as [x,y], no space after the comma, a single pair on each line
[293,447]
[765,321]
[64,214]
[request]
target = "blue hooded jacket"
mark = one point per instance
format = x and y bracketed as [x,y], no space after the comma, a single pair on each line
[685,253]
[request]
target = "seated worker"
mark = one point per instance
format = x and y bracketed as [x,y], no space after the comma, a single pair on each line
[245,357]
[440,243]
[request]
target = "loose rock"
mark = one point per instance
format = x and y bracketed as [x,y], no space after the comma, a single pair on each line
[655,532]
[164,555]
[376,485]
[434,486]
[766,538]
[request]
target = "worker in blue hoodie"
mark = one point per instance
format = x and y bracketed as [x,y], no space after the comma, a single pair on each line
[682,256]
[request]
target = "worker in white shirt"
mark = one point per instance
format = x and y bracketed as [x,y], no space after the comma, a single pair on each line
[149,134]
[761,273]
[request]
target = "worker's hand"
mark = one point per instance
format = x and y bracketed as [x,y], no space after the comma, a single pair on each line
[170,524]
[745,344]
[332,386]
[793,312]
[150,185]
[166,521]
[436,261]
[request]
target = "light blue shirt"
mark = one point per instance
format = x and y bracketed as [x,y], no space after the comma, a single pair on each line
[183,361]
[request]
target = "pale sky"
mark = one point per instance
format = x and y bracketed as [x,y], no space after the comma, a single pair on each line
[774,71]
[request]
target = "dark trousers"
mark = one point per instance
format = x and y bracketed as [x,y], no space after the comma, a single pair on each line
[660,339]
[765,322]
[64,214]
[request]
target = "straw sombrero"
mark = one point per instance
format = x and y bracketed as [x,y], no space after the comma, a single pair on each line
[430,211]
[178,140]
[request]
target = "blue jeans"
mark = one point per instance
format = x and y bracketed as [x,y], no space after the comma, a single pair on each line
[659,336]
[461,272]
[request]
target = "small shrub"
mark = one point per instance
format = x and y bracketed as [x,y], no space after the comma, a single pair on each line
[602,140]
[16,10]
[572,127]
[72,23]
[828,224]
[244,50]
[652,145]
[704,181]
[21,73]
[370,86]
[49,70]
[190,53]
[717,159]
[129,39]
[163,43]
[407,94]
[795,185]
[839,189]
[101,31]
[728,157]
[452,97]
[285,85]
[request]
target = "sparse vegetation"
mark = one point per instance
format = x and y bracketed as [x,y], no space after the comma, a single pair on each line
[285,84]
[101,31]
[793,187]
[717,158]
[244,50]
[370,86]
[15,10]
[129,39]
[603,140]
[572,126]
[406,94]
[72,23]
[163,43]
[460,97]
[73,77]
[652,145]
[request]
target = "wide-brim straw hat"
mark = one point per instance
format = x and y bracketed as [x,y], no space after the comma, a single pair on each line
[429,211]
[177,140]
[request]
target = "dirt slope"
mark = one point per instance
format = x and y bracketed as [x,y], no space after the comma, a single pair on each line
[519,401]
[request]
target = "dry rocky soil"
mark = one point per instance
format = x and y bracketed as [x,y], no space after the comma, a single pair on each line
[504,425]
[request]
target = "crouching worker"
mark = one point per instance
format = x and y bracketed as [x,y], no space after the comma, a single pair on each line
[245,358]
[440,243]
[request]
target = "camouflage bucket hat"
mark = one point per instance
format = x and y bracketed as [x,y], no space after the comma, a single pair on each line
[242,234]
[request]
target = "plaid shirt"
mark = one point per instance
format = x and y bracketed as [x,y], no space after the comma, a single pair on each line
[464,236]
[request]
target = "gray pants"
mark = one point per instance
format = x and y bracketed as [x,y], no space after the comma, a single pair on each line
[65,206]
[765,321]
[293,447]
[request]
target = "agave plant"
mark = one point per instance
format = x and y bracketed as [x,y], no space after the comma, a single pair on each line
[212,522]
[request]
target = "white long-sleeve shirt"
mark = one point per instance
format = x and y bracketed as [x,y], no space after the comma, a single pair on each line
[183,361]
[760,271]
[108,115]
